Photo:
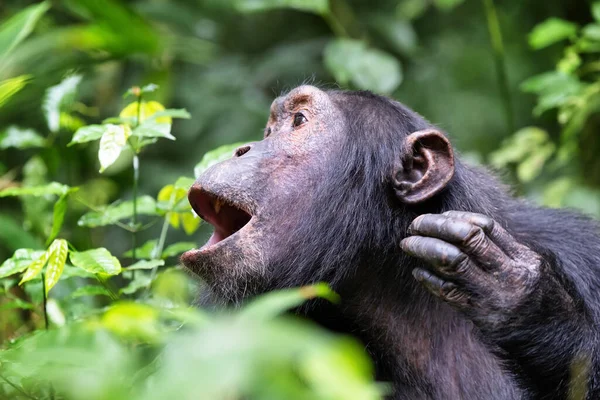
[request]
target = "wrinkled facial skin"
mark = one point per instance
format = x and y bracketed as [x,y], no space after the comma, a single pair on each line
[270,180]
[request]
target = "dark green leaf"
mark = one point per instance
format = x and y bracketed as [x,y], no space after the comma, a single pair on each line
[447,5]
[96,261]
[21,138]
[316,6]
[551,31]
[115,212]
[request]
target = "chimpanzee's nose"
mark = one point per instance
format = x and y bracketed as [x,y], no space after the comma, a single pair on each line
[242,150]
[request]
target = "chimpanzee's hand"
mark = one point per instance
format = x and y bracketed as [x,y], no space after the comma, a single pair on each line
[476,265]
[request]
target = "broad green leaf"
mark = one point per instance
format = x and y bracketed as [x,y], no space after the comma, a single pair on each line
[592,32]
[115,212]
[447,5]
[58,216]
[20,138]
[596,10]
[57,98]
[551,31]
[19,26]
[351,61]
[145,109]
[113,140]
[190,222]
[90,290]
[88,133]
[275,303]
[96,261]
[146,264]
[184,182]
[215,156]
[53,188]
[172,113]
[177,248]
[19,261]
[144,251]
[153,129]
[320,7]
[56,262]
[142,280]
[35,267]
[133,320]
[9,87]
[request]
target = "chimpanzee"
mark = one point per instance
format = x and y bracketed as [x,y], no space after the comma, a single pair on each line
[457,289]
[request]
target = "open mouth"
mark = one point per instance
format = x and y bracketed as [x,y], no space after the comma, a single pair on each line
[227,217]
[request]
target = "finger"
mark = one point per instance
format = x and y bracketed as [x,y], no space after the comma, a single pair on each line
[445,290]
[448,260]
[493,229]
[467,236]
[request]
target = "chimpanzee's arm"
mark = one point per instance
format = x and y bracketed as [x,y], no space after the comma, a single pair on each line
[513,295]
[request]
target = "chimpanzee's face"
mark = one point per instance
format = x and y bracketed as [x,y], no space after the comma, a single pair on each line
[258,197]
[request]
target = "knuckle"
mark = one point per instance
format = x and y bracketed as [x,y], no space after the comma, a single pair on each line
[475,237]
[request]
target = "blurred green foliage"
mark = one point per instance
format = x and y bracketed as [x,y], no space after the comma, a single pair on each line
[94,212]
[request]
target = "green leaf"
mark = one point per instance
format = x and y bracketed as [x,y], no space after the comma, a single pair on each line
[177,248]
[133,320]
[142,280]
[551,31]
[592,32]
[53,188]
[21,259]
[596,10]
[57,98]
[19,26]
[447,5]
[9,87]
[351,61]
[144,251]
[35,267]
[56,262]
[172,113]
[88,133]
[184,182]
[17,303]
[275,303]
[96,261]
[20,138]
[58,216]
[113,140]
[215,156]
[115,212]
[90,290]
[153,129]
[320,7]
[146,264]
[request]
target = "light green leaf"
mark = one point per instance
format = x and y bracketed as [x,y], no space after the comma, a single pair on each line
[146,264]
[144,251]
[351,61]
[58,216]
[177,248]
[215,156]
[183,182]
[53,188]
[113,140]
[115,212]
[153,129]
[96,261]
[9,87]
[172,113]
[133,320]
[141,281]
[190,222]
[19,261]
[551,31]
[596,10]
[320,7]
[35,267]
[592,32]
[19,26]
[20,138]
[57,98]
[275,303]
[90,290]
[88,133]
[56,262]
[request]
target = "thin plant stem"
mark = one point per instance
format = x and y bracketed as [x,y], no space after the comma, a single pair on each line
[45,297]
[500,60]
[136,178]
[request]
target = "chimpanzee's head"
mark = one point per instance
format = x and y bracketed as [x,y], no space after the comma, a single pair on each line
[328,191]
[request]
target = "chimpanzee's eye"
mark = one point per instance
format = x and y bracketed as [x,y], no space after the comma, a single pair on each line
[299,119]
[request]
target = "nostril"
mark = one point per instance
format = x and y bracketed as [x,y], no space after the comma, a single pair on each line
[241,151]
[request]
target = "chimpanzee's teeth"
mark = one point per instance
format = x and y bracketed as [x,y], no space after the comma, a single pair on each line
[218,204]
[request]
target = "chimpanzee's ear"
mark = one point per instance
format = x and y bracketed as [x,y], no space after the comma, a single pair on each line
[427,169]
